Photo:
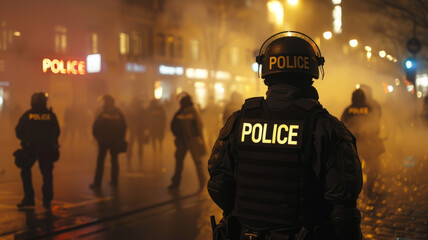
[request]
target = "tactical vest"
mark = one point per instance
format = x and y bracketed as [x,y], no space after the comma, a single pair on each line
[40,127]
[272,151]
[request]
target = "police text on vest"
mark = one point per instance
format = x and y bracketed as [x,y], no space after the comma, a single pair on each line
[281,133]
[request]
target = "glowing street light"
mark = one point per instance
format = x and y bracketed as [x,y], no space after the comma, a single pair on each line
[353,43]
[382,54]
[277,12]
[368,48]
[409,64]
[327,35]
[293,2]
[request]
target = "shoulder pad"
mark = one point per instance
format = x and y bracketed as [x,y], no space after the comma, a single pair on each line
[229,125]
[308,104]
[340,129]
[254,102]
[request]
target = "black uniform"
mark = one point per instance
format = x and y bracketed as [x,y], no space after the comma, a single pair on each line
[363,121]
[186,126]
[38,131]
[137,123]
[157,124]
[285,163]
[109,130]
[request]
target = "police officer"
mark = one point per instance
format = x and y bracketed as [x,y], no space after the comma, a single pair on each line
[211,116]
[284,168]
[109,130]
[38,131]
[186,126]
[232,105]
[363,121]
[424,113]
[137,122]
[157,124]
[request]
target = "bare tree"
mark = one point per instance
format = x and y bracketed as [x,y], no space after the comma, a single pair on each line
[214,22]
[400,20]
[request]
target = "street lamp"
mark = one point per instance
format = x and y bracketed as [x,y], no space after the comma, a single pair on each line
[353,43]
[368,48]
[382,53]
[327,35]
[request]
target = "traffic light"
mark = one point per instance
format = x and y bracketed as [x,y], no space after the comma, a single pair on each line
[410,66]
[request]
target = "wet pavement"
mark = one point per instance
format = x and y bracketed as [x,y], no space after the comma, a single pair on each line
[142,207]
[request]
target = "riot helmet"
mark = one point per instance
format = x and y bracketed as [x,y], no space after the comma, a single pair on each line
[185,100]
[358,97]
[108,100]
[290,52]
[39,100]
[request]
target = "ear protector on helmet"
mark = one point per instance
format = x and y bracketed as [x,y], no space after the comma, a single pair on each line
[290,51]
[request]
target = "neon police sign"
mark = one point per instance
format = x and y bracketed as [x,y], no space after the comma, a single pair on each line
[64,67]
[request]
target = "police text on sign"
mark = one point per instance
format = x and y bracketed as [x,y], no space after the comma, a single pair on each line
[64,67]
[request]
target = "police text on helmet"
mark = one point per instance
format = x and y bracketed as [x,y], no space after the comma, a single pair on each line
[289,62]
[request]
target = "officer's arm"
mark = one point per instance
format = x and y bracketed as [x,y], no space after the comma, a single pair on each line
[221,167]
[342,179]
[20,128]
[122,126]
[344,118]
[55,126]
[96,128]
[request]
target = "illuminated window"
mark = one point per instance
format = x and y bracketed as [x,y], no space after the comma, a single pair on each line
[234,56]
[123,43]
[158,91]
[60,39]
[194,49]
[161,44]
[93,43]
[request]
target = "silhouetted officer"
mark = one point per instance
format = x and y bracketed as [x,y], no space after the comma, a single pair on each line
[425,111]
[363,121]
[137,124]
[211,117]
[232,105]
[109,130]
[186,126]
[284,168]
[157,124]
[38,131]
